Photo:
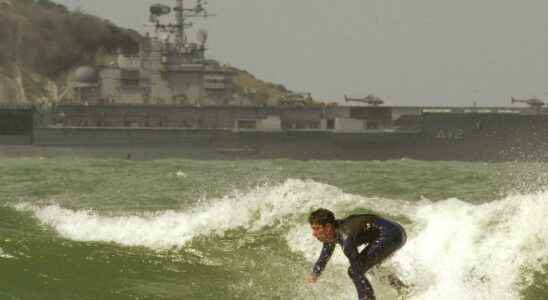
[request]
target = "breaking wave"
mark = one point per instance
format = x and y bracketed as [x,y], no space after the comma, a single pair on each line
[455,250]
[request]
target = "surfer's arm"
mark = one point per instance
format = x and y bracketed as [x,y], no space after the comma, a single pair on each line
[325,255]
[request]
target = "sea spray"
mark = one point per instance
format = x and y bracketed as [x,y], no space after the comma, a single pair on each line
[463,251]
[263,206]
[455,250]
[4,254]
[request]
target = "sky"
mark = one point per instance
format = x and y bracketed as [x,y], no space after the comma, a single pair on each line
[407,52]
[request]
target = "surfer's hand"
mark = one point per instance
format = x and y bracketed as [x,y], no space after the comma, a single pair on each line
[312,278]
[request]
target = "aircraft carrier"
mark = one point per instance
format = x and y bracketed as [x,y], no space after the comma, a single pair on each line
[170,98]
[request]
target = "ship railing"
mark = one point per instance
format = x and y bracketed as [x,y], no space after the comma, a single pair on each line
[16,106]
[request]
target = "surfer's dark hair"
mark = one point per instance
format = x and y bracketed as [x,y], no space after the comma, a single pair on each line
[322,217]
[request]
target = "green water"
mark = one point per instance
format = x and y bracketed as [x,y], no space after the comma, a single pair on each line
[182,229]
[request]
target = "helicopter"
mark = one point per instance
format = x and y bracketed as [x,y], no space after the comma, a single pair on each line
[369,99]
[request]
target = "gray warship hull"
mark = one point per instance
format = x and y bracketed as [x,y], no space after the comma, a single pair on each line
[345,133]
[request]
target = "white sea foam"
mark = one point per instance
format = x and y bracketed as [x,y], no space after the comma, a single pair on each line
[4,254]
[464,251]
[181,174]
[455,250]
[253,210]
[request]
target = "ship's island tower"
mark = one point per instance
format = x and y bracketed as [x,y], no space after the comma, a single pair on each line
[169,68]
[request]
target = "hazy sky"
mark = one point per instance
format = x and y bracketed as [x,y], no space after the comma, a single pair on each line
[408,52]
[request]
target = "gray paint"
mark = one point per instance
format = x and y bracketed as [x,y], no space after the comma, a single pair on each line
[169,69]
[455,133]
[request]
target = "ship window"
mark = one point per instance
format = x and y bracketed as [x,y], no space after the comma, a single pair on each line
[372,125]
[330,123]
[130,79]
[214,82]
[247,124]
[130,83]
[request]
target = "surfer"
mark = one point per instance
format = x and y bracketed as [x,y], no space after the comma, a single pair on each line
[380,236]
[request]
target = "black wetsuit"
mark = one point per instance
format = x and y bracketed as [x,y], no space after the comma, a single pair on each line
[381,237]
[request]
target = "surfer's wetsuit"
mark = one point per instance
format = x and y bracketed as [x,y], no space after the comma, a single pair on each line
[382,237]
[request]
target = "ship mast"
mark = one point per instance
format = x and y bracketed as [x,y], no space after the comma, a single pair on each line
[181,16]
[180,38]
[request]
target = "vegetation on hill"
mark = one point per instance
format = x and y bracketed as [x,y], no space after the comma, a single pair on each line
[42,41]
[245,84]
[267,93]
[48,39]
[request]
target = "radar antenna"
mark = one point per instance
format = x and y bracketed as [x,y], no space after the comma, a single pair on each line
[181,16]
[201,37]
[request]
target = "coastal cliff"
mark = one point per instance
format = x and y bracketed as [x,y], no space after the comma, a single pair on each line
[42,43]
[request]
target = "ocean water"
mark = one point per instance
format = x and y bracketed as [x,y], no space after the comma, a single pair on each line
[75,228]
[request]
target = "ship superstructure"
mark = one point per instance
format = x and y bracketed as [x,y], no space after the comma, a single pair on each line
[170,98]
[169,69]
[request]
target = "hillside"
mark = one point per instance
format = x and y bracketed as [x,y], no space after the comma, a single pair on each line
[41,42]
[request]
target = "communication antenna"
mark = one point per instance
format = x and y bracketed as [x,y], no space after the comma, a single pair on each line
[182,15]
[201,37]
